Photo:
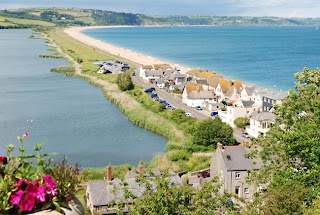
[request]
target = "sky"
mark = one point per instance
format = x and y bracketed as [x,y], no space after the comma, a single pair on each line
[280,8]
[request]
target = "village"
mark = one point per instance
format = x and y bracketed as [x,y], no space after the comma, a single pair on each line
[213,96]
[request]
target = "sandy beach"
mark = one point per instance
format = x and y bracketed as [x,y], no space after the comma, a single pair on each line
[115,50]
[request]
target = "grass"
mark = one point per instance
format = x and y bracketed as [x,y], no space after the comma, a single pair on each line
[136,105]
[26,21]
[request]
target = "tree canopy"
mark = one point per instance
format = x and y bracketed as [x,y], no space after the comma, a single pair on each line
[124,81]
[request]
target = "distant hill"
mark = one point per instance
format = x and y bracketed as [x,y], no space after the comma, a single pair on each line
[84,17]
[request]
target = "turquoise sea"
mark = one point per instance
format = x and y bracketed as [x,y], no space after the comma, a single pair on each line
[265,56]
[72,116]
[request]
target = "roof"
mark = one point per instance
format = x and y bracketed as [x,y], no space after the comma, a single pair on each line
[263,116]
[153,73]
[201,81]
[190,87]
[161,66]
[250,90]
[276,95]
[247,103]
[201,73]
[234,158]
[146,66]
[214,80]
[201,95]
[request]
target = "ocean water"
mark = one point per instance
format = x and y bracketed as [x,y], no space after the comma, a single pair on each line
[71,115]
[265,56]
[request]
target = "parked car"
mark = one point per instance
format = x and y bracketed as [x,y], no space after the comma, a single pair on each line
[156,98]
[214,113]
[107,72]
[188,114]
[224,102]
[152,95]
[133,73]
[198,108]
[168,106]
[203,174]
[245,135]
[149,90]
[161,86]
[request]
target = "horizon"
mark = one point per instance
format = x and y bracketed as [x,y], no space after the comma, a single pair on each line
[248,8]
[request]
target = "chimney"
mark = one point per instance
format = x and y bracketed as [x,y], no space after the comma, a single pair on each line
[109,173]
[219,146]
[140,169]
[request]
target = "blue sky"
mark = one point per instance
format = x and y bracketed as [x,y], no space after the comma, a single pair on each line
[282,8]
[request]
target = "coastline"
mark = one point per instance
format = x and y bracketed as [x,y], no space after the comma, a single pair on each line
[139,58]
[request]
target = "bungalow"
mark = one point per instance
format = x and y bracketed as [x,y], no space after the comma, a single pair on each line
[194,95]
[144,68]
[260,123]
[231,165]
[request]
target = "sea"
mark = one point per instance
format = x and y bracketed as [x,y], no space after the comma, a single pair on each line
[265,56]
[70,115]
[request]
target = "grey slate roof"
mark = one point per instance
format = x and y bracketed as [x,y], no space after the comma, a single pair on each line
[250,90]
[153,73]
[202,81]
[247,103]
[276,95]
[263,116]
[238,159]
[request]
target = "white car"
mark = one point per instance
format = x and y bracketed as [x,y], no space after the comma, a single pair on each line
[188,114]
[161,86]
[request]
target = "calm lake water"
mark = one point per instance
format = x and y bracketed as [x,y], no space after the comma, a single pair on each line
[73,116]
[265,56]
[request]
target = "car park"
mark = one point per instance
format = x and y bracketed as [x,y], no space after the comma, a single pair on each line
[245,135]
[198,108]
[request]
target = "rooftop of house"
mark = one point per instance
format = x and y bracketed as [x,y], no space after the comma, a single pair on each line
[247,103]
[276,95]
[201,73]
[235,158]
[153,73]
[214,81]
[161,66]
[146,66]
[201,81]
[201,95]
[263,116]
[191,87]
[229,84]
[249,90]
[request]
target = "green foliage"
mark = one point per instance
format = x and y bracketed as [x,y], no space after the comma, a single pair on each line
[124,81]
[292,147]
[178,155]
[67,70]
[90,174]
[209,132]
[113,18]
[241,122]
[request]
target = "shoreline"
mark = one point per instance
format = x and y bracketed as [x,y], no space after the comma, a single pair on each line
[139,58]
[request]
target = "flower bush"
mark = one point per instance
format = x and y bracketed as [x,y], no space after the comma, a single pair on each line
[30,182]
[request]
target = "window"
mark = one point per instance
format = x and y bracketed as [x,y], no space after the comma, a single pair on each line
[237,175]
[237,190]
[246,190]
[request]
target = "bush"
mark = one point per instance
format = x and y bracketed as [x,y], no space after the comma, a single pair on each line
[124,82]
[179,155]
[241,122]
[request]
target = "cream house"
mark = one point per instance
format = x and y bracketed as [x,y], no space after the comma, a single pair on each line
[231,166]
[195,95]
[260,123]
[231,114]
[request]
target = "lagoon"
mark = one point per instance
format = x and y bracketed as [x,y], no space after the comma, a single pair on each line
[71,115]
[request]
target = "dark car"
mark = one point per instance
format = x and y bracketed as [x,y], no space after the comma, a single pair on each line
[107,72]
[203,174]
[198,108]
[214,113]
[245,135]
[149,90]
[224,102]
[153,95]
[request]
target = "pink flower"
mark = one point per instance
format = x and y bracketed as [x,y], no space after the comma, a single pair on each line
[20,182]
[15,197]
[25,134]
[40,195]
[32,188]
[27,203]
[48,180]
[49,186]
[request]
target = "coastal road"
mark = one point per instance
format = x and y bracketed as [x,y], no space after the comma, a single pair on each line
[176,101]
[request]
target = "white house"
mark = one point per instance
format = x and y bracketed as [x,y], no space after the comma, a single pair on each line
[260,123]
[194,95]
[228,89]
[247,92]
[144,68]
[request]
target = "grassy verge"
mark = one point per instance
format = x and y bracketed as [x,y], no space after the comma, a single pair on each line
[136,105]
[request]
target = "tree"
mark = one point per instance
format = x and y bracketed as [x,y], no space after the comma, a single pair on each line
[291,150]
[124,81]
[241,122]
[209,132]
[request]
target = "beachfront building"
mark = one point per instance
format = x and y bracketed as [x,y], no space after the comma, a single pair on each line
[228,90]
[272,98]
[231,165]
[102,196]
[195,95]
[212,78]
[247,92]
[260,123]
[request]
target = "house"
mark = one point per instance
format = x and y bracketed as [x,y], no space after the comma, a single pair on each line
[214,81]
[144,68]
[231,166]
[194,95]
[260,123]
[152,75]
[175,77]
[231,114]
[103,195]
[271,98]
[247,92]
[249,105]
[228,90]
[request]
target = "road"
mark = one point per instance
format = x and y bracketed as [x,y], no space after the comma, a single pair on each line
[177,103]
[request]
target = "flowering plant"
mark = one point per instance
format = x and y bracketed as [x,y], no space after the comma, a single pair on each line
[28,182]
